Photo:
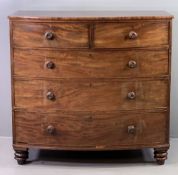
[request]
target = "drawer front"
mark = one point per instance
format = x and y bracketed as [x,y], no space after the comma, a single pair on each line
[88,64]
[100,131]
[91,95]
[123,35]
[57,35]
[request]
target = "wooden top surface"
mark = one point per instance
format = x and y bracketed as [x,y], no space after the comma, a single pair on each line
[89,15]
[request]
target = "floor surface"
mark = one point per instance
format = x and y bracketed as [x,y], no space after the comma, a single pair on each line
[87,163]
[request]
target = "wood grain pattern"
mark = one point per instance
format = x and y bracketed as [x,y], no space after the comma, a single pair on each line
[65,35]
[90,64]
[86,130]
[116,35]
[91,95]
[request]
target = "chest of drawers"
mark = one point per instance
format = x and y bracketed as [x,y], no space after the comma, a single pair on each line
[90,81]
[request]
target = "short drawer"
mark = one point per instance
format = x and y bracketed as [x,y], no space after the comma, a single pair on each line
[92,131]
[52,35]
[88,64]
[91,95]
[133,34]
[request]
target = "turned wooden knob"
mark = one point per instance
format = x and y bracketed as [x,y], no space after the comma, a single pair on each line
[133,35]
[50,129]
[50,65]
[132,64]
[50,95]
[131,129]
[49,35]
[131,95]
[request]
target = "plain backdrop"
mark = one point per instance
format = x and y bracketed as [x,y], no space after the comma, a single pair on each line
[9,6]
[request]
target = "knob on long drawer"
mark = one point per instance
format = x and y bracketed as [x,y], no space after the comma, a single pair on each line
[131,95]
[132,64]
[49,35]
[131,129]
[50,95]
[50,65]
[133,35]
[50,129]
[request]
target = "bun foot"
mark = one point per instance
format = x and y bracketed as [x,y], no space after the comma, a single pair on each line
[21,162]
[21,156]
[160,154]
[160,162]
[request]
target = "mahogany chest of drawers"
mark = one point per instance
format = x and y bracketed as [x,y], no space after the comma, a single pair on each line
[90,81]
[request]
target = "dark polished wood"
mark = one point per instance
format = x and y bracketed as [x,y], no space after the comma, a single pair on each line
[91,81]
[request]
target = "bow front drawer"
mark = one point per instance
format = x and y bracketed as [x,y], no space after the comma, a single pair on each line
[52,35]
[93,95]
[88,64]
[92,131]
[123,35]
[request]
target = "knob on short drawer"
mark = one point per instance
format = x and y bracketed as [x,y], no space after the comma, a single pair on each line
[50,65]
[131,129]
[131,95]
[133,35]
[50,129]
[49,35]
[50,95]
[132,64]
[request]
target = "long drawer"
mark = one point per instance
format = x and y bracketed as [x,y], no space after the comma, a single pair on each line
[88,64]
[52,35]
[91,95]
[84,130]
[133,34]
